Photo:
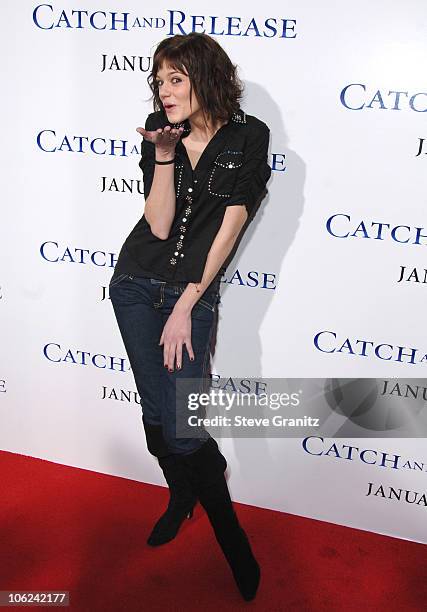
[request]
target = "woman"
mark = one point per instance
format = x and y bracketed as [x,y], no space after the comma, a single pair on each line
[204,164]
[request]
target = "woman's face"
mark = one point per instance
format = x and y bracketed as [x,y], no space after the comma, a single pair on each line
[174,93]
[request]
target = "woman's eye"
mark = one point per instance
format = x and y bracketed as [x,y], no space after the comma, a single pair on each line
[174,81]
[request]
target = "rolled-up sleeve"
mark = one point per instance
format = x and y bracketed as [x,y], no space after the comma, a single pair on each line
[146,163]
[254,174]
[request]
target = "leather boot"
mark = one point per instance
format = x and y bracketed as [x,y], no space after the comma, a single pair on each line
[207,466]
[182,499]
[181,502]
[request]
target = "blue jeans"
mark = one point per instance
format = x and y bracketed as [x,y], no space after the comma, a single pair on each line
[141,307]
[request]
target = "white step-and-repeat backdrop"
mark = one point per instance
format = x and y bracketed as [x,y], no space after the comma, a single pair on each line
[329,280]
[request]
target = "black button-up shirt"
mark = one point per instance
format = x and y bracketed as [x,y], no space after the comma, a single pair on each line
[232,169]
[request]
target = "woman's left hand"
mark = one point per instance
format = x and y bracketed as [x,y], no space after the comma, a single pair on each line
[176,333]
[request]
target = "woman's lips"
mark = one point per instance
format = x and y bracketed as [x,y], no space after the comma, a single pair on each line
[169,106]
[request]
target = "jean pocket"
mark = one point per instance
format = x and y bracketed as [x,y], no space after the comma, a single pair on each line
[115,280]
[208,301]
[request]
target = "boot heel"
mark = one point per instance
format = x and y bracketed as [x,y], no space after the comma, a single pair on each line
[168,525]
[181,501]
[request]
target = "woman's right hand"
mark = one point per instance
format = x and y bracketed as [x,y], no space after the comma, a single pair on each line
[165,138]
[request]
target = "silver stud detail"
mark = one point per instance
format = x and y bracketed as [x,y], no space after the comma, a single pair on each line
[182,228]
[181,169]
[221,195]
[229,164]
[239,117]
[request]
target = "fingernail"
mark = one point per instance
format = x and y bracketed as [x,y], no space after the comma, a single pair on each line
[170,370]
[191,358]
[166,365]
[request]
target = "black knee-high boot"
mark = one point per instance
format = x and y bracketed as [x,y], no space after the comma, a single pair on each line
[182,498]
[207,466]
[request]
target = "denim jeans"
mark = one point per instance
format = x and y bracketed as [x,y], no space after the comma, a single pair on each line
[141,307]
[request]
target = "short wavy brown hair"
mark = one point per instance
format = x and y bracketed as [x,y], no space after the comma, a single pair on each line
[212,74]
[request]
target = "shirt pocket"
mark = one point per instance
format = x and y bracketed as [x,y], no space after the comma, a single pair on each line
[224,173]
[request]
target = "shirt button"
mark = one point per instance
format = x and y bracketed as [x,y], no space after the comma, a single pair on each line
[176,253]
[182,254]
[184,219]
[195,180]
[190,189]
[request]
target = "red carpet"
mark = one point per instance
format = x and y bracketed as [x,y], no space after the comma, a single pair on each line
[84,532]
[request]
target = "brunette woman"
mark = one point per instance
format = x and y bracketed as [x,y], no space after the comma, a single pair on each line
[205,169]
